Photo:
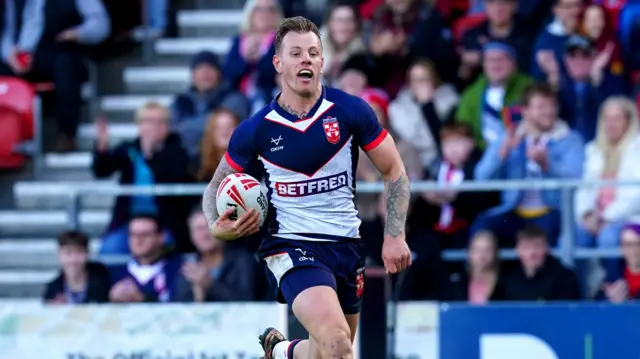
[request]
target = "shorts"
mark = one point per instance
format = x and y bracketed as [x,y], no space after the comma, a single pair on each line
[340,265]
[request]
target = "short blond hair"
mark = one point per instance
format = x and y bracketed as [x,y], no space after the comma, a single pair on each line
[150,106]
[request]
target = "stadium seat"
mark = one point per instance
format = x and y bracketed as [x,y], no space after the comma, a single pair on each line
[464,24]
[18,121]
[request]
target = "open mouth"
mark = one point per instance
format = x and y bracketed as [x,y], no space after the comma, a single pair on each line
[305,74]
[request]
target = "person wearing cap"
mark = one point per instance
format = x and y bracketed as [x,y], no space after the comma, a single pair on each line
[500,25]
[585,85]
[354,75]
[207,93]
[625,287]
[500,85]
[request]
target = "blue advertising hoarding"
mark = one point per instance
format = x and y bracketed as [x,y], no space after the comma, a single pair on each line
[545,331]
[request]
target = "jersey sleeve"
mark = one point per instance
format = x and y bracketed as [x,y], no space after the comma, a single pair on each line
[241,150]
[368,132]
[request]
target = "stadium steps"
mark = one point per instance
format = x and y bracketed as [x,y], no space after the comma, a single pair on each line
[27,232]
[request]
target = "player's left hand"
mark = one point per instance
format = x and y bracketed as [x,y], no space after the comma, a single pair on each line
[396,255]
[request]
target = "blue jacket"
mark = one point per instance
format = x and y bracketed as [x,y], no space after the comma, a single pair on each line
[553,37]
[566,157]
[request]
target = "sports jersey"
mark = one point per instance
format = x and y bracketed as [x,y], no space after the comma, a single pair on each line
[309,164]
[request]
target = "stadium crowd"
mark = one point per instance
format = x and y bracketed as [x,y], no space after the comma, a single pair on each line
[470,90]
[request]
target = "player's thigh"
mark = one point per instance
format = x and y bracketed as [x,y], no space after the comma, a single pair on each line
[318,310]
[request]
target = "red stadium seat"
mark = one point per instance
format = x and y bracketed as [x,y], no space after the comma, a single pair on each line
[466,23]
[17,121]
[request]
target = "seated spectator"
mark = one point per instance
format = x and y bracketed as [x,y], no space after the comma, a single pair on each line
[79,281]
[501,85]
[418,112]
[625,287]
[613,155]
[69,28]
[155,157]
[501,25]
[539,276]
[550,45]
[371,206]
[218,274]
[482,281]
[220,127]
[599,28]
[542,147]
[248,66]
[355,74]
[208,92]
[342,38]
[151,274]
[447,214]
[586,84]
[405,30]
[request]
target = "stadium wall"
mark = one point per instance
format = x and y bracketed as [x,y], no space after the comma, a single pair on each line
[29,330]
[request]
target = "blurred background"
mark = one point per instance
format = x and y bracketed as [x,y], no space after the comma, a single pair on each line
[517,121]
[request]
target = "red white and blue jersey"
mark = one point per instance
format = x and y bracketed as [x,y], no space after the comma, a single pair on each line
[309,164]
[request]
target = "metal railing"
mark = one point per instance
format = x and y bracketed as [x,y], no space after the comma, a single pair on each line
[566,249]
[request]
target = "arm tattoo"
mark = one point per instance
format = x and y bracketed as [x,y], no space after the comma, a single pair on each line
[209,198]
[294,112]
[398,194]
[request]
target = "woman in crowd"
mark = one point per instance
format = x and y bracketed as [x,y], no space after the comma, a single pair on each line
[597,27]
[342,38]
[613,155]
[248,65]
[420,108]
[481,282]
[217,274]
[220,127]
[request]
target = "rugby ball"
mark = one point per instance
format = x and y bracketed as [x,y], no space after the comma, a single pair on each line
[242,193]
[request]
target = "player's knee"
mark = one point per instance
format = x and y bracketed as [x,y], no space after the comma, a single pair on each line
[336,344]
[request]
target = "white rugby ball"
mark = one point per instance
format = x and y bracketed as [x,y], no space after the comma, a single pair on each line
[243,193]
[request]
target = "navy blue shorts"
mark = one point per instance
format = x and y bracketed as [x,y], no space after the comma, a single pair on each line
[293,266]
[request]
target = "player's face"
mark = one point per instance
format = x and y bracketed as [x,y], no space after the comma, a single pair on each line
[299,62]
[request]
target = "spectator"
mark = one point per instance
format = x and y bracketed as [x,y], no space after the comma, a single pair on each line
[448,214]
[599,28]
[501,85]
[371,206]
[248,66]
[220,126]
[626,287]
[542,147]
[354,75]
[501,25]
[208,92]
[404,30]
[418,112]
[218,275]
[613,155]
[69,28]
[151,275]
[550,44]
[613,9]
[534,13]
[482,281]
[155,157]
[21,32]
[539,276]
[156,12]
[586,84]
[79,281]
[342,38]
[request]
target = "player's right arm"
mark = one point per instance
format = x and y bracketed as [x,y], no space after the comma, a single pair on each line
[239,155]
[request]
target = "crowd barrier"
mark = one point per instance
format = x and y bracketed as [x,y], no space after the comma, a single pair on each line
[566,248]
[228,331]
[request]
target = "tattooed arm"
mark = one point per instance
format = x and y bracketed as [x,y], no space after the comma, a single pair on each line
[395,251]
[209,198]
